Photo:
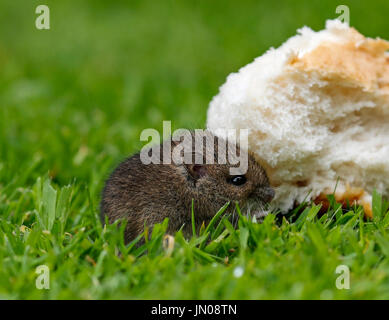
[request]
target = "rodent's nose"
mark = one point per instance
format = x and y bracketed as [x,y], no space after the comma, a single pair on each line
[268,194]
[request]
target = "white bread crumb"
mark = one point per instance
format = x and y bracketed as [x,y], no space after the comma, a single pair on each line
[317,109]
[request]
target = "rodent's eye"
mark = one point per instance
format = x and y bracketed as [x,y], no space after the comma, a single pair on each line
[237,180]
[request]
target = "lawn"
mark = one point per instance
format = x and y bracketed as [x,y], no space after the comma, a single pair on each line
[73,101]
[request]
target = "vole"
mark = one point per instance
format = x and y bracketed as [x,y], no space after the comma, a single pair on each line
[146,194]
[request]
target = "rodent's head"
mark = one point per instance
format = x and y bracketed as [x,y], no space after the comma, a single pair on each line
[216,185]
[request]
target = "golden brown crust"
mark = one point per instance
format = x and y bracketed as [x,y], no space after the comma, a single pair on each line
[350,196]
[360,61]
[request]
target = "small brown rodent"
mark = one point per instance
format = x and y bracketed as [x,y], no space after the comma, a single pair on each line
[146,194]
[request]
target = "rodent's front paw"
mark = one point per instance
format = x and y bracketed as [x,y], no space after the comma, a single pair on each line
[260,214]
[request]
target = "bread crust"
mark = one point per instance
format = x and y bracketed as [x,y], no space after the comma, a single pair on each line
[317,109]
[360,62]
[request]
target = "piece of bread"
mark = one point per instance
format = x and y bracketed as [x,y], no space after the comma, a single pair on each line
[317,109]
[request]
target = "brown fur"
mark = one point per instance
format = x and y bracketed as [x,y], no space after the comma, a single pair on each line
[147,194]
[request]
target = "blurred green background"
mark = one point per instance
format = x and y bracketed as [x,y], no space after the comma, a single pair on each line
[73,99]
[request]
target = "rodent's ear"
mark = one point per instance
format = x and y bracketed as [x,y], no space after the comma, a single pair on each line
[196,170]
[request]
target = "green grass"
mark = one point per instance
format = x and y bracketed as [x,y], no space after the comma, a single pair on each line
[73,101]
[275,259]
